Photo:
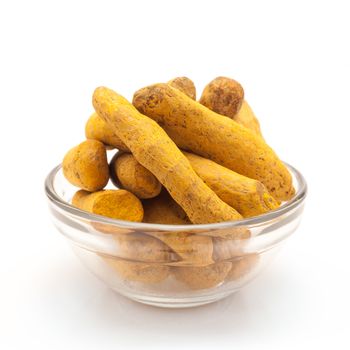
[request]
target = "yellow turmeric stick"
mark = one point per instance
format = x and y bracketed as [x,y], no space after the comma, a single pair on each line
[248,196]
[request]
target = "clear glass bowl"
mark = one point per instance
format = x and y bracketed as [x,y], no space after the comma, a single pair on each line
[173,265]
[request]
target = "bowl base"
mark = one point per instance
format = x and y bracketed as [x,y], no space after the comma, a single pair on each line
[176,303]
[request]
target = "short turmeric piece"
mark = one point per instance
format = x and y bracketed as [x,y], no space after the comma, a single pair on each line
[86,166]
[242,265]
[164,210]
[223,96]
[138,272]
[115,204]
[185,85]
[126,172]
[143,248]
[202,277]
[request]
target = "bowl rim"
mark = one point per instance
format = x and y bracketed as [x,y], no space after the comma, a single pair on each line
[286,207]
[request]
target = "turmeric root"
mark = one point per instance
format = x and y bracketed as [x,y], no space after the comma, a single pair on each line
[143,248]
[247,118]
[115,204]
[164,210]
[248,196]
[139,272]
[185,85]
[195,128]
[153,148]
[229,243]
[97,129]
[193,249]
[224,96]
[202,277]
[242,266]
[86,166]
[126,172]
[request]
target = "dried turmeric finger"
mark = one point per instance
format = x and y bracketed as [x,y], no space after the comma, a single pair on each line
[224,96]
[195,128]
[153,148]
[97,129]
[202,277]
[139,272]
[248,196]
[185,85]
[242,265]
[86,166]
[229,243]
[246,117]
[164,210]
[126,172]
[143,248]
[116,204]
[193,249]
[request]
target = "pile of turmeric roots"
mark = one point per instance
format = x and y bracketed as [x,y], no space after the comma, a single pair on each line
[179,162]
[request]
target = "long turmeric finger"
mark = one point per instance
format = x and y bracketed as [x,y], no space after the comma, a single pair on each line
[248,196]
[195,128]
[153,148]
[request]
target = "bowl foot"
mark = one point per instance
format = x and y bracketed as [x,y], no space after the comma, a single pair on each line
[178,302]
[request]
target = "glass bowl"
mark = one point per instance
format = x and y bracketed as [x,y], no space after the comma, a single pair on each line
[173,265]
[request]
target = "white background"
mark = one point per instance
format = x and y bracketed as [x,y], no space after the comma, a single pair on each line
[293,59]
